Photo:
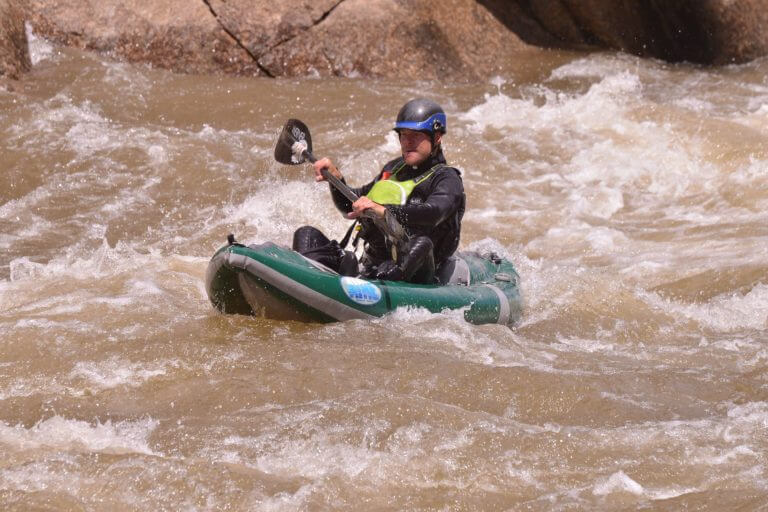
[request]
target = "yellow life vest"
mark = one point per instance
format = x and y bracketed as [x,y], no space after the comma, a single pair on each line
[394,191]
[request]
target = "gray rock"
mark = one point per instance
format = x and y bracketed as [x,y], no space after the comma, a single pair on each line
[180,35]
[402,39]
[452,39]
[700,31]
[14,50]
[408,39]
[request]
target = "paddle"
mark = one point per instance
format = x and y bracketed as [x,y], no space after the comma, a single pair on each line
[294,147]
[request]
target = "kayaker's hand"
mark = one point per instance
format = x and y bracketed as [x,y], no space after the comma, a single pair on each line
[325,163]
[362,204]
[389,271]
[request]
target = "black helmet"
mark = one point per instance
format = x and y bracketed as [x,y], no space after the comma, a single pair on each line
[422,115]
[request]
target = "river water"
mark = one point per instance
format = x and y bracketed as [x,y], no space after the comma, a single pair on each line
[632,195]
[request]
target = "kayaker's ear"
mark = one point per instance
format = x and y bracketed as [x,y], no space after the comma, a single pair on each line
[437,137]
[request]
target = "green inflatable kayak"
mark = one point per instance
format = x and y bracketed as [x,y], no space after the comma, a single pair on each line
[275,282]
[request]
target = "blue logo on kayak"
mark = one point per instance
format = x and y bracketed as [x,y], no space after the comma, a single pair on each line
[361,291]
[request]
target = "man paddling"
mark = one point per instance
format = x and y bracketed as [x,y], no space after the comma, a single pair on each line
[418,189]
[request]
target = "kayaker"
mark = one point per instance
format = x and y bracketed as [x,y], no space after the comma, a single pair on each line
[419,189]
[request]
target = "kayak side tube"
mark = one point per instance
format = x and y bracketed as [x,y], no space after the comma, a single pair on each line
[275,282]
[223,286]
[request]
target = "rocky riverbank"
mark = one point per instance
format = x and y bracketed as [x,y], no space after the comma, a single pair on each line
[451,40]
[14,52]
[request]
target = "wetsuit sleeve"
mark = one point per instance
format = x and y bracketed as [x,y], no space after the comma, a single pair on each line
[444,198]
[342,203]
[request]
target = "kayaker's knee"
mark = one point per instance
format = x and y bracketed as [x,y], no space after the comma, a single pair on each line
[417,265]
[307,238]
[312,243]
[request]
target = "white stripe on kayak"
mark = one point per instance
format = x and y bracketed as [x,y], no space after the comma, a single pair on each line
[305,294]
[503,305]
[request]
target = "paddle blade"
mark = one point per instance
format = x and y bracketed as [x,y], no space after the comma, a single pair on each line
[292,142]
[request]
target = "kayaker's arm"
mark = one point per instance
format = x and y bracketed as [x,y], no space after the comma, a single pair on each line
[339,199]
[447,190]
[362,205]
[342,203]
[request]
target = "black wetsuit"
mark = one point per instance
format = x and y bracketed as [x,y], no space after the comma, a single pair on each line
[431,217]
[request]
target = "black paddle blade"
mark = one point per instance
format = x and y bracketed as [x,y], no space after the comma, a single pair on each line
[286,149]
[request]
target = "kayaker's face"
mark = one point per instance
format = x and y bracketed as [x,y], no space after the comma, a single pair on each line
[416,146]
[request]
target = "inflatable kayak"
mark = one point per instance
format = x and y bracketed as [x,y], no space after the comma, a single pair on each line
[275,282]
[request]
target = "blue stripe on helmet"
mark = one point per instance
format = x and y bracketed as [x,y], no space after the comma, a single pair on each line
[422,126]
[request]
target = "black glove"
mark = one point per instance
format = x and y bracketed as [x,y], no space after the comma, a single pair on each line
[389,271]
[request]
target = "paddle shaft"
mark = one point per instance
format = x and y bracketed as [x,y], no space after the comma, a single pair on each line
[388,224]
[333,180]
[294,146]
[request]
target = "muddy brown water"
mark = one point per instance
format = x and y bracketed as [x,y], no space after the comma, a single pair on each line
[631,194]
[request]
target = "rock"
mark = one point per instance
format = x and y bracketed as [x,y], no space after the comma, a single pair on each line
[402,39]
[457,39]
[701,31]
[408,39]
[179,35]
[14,50]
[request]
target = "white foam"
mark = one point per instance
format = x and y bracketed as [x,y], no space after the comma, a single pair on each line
[695,104]
[288,500]
[628,400]
[411,314]
[104,261]
[577,238]
[611,155]
[667,494]
[754,413]
[64,124]
[728,312]
[66,434]
[391,144]
[523,474]
[598,201]
[157,155]
[601,107]
[499,111]
[19,208]
[617,482]
[315,457]
[39,476]
[37,385]
[116,372]
[488,245]
[754,179]
[597,66]
[715,457]
[605,240]
[144,287]
[282,207]
[45,324]
[652,166]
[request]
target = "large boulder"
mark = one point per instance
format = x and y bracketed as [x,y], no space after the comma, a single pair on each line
[14,50]
[701,31]
[180,35]
[451,39]
[407,39]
